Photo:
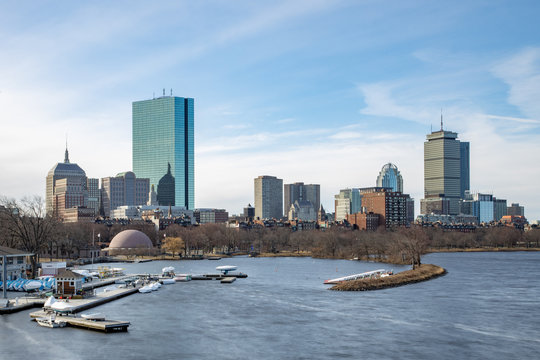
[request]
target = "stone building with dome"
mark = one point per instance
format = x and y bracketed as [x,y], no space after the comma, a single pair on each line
[130,242]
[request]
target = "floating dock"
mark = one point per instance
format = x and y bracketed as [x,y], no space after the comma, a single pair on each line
[99,325]
[228,280]
[218,276]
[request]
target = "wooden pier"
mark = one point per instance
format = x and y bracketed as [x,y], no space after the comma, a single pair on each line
[218,276]
[99,325]
[228,280]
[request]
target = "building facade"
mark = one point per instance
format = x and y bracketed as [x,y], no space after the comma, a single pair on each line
[389,205]
[300,191]
[211,216]
[69,193]
[499,209]
[123,189]
[302,210]
[465,167]
[94,195]
[515,210]
[443,168]
[163,148]
[268,197]
[65,170]
[348,201]
[390,177]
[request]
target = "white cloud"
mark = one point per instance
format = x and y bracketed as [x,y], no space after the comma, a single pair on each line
[522,74]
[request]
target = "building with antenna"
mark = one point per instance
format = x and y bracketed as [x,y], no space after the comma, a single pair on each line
[446,172]
[163,148]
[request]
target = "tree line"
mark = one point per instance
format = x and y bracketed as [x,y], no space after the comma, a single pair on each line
[25,225]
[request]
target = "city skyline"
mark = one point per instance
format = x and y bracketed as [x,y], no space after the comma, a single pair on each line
[297,90]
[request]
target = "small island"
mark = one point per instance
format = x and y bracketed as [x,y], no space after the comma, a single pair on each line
[419,273]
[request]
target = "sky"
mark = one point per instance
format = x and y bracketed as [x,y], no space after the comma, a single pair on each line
[322,92]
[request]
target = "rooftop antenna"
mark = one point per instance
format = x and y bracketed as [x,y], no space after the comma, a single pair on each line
[66,157]
[171,91]
[163,91]
[431,127]
[441,121]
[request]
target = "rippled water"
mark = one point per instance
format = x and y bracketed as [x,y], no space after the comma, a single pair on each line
[486,307]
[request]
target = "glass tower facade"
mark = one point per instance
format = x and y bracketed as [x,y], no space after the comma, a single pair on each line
[163,148]
[390,177]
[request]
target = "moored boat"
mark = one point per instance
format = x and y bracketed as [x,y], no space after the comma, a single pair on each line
[50,322]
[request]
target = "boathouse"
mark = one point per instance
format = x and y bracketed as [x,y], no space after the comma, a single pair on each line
[68,283]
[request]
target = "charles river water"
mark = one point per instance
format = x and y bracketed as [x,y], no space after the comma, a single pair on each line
[486,307]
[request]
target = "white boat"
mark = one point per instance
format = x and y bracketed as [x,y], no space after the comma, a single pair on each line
[51,300]
[93,316]
[62,307]
[226,268]
[167,281]
[155,286]
[365,275]
[32,285]
[51,322]
[145,289]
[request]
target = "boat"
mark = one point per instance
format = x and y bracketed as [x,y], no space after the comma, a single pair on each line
[62,307]
[182,277]
[214,258]
[369,274]
[33,285]
[93,316]
[167,281]
[145,289]
[50,322]
[226,268]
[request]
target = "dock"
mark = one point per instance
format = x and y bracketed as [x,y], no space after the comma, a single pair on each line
[99,325]
[228,280]
[218,276]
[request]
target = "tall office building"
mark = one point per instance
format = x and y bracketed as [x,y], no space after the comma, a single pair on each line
[300,191]
[389,177]
[65,170]
[443,176]
[94,195]
[268,197]
[163,148]
[465,166]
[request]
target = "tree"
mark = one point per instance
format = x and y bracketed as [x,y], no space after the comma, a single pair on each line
[173,245]
[414,243]
[27,222]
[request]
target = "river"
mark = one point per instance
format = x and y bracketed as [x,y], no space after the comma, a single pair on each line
[485,307]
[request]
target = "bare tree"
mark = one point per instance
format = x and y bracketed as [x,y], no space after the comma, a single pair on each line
[28,222]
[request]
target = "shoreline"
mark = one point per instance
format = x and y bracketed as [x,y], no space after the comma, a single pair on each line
[422,273]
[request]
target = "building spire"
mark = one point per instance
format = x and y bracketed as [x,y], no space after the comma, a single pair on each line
[66,156]
[441,121]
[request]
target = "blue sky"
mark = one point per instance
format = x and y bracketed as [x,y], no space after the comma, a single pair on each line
[323,92]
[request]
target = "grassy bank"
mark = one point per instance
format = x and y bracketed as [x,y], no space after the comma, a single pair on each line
[422,273]
[483,249]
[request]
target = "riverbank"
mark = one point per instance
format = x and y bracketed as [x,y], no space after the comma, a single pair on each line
[483,249]
[421,273]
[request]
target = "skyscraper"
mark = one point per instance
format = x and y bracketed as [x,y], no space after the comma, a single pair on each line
[464,168]
[389,177]
[163,148]
[123,189]
[268,197]
[442,173]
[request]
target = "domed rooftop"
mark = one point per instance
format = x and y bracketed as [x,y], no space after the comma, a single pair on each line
[131,239]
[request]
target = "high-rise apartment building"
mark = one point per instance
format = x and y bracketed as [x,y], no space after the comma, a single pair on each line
[163,148]
[268,197]
[65,170]
[125,189]
[300,191]
[389,177]
[443,167]
[499,209]
[389,205]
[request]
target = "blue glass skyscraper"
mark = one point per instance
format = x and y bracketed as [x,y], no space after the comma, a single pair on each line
[390,177]
[163,148]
